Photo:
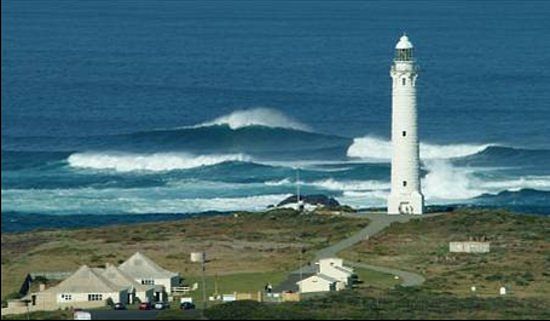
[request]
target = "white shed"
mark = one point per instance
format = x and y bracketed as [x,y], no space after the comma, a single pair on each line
[334,267]
[317,283]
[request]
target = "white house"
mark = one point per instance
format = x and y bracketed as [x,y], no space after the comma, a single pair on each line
[334,268]
[331,275]
[318,283]
[146,272]
[86,288]
[138,277]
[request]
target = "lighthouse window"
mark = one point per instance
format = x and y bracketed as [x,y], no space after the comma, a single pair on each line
[404,183]
[404,80]
[404,133]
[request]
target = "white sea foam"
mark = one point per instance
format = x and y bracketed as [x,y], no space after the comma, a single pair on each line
[256,117]
[133,201]
[535,182]
[126,162]
[380,149]
[349,185]
[284,181]
[447,182]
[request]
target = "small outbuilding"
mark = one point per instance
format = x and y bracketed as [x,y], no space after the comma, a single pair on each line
[469,247]
[318,283]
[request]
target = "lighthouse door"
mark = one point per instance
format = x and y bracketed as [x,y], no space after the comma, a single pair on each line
[405,208]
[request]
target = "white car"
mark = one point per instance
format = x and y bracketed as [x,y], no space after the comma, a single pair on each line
[82,315]
[161,305]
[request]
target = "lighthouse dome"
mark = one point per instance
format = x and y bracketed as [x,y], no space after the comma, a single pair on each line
[404,43]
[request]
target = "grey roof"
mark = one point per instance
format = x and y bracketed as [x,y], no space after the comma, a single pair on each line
[326,277]
[119,278]
[344,269]
[139,266]
[323,277]
[85,280]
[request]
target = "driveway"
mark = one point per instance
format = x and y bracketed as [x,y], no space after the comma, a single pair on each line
[378,222]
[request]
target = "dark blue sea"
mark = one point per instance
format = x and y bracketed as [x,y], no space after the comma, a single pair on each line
[144,108]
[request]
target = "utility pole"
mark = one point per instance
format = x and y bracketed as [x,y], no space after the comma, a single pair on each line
[204,301]
[298,186]
[301,251]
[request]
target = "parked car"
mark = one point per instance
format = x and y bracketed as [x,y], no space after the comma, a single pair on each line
[187,306]
[145,306]
[161,306]
[82,315]
[119,306]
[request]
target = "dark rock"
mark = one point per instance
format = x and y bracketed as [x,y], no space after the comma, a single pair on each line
[312,200]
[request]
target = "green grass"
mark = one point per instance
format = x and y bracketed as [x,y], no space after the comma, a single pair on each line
[518,258]
[376,279]
[241,282]
[396,304]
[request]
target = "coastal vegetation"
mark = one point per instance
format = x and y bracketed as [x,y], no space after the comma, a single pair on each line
[519,257]
[262,245]
[246,250]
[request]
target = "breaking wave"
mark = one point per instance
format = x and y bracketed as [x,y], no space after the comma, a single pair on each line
[125,201]
[332,184]
[261,116]
[447,182]
[376,148]
[122,162]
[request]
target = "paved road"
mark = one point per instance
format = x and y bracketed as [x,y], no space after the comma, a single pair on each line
[378,222]
[124,315]
[140,315]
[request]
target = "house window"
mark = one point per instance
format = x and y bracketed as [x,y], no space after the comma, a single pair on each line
[404,133]
[404,183]
[95,297]
[404,80]
[66,297]
[148,281]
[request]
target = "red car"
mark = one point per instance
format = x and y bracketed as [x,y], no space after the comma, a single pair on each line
[145,306]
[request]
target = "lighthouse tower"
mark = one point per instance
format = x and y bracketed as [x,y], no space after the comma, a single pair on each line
[405,196]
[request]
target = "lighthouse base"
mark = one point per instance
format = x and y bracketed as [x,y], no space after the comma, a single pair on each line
[412,203]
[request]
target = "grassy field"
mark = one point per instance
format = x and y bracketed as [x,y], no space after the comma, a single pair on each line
[519,257]
[262,245]
[238,282]
[376,279]
[375,304]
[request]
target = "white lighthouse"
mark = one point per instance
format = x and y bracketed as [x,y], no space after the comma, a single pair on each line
[405,196]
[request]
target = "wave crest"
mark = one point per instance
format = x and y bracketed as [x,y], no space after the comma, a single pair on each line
[376,148]
[148,162]
[261,116]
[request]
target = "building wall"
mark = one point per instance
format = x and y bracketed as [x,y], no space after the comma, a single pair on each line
[145,296]
[328,267]
[469,247]
[314,284]
[168,283]
[52,301]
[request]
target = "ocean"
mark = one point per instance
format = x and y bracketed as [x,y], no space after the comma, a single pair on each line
[131,109]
